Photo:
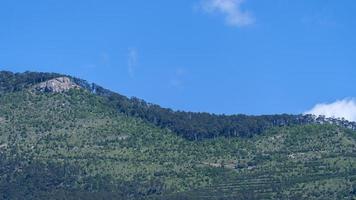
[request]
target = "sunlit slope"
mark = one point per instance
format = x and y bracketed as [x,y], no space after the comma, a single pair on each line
[301,162]
[77,144]
[79,129]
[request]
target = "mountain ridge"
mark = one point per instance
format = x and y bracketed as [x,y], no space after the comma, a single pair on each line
[190,125]
[80,145]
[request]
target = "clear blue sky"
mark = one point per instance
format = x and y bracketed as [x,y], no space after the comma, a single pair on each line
[222,56]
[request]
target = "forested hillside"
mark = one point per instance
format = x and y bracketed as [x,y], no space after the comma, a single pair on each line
[82,143]
[10,82]
[190,125]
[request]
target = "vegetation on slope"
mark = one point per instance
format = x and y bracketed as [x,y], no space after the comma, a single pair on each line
[75,144]
[79,129]
[192,126]
[301,162]
[11,82]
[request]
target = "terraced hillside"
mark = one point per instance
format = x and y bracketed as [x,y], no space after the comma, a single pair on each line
[305,162]
[76,144]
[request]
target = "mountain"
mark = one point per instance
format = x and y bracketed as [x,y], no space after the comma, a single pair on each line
[190,125]
[64,138]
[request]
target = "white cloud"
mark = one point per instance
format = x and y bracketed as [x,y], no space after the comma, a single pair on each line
[132,61]
[231,10]
[340,109]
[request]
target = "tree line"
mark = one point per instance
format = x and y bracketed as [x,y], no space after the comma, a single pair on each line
[190,125]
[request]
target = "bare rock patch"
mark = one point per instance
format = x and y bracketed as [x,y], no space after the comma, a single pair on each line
[57,85]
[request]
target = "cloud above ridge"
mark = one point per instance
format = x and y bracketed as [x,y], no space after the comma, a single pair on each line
[345,108]
[231,10]
[132,61]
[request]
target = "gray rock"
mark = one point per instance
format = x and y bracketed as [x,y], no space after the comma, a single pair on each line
[57,85]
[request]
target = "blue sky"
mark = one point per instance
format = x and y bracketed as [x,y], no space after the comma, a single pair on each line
[221,56]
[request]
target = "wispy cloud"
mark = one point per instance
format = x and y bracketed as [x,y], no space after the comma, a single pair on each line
[105,59]
[345,108]
[177,80]
[132,61]
[231,10]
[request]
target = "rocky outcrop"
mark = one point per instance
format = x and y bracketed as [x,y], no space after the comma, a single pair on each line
[57,85]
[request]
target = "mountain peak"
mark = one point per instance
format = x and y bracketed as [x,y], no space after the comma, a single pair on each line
[57,85]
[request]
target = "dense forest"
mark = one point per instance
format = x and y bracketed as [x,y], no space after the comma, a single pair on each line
[94,144]
[190,125]
[197,126]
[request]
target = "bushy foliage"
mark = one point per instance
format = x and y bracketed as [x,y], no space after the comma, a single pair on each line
[76,145]
[11,82]
[198,126]
[192,126]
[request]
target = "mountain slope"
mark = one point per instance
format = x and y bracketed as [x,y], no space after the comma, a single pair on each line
[190,125]
[75,144]
[77,128]
[302,162]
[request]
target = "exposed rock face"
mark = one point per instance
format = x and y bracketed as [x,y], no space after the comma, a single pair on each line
[57,85]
